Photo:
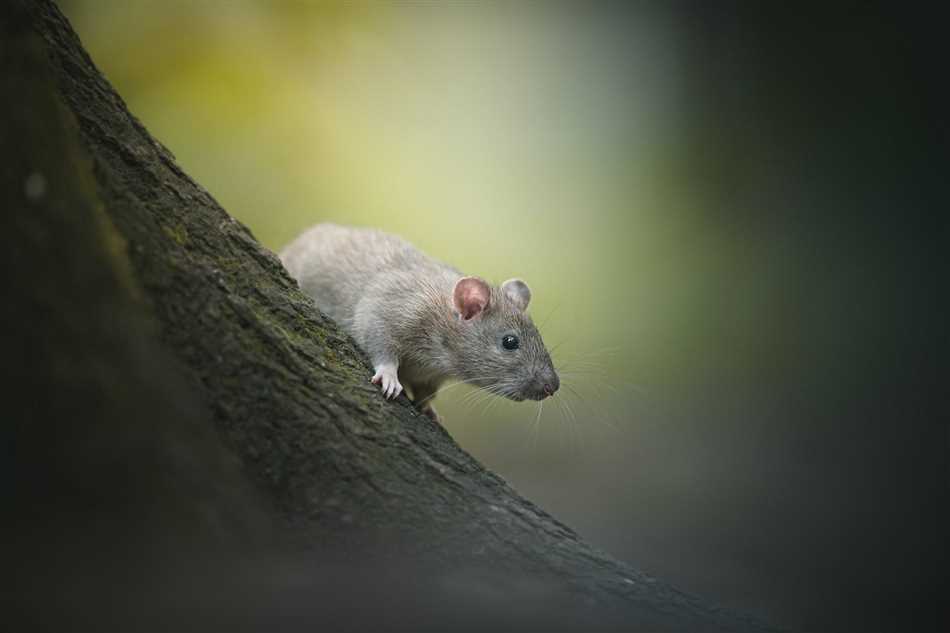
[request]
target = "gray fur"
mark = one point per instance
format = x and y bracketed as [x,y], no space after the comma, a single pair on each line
[398,304]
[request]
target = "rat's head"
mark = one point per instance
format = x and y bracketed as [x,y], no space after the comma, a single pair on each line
[498,346]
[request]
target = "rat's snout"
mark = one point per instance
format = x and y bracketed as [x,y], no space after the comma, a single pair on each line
[548,383]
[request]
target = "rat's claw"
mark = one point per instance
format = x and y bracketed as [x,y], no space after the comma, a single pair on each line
[391,386]
[388,380]
[394,388]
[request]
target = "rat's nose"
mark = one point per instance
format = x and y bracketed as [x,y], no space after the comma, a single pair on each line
[551,385]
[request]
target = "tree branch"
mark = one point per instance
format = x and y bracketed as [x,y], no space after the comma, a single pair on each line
[180,403]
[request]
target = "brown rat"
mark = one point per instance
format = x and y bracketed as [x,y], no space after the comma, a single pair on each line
[421,321]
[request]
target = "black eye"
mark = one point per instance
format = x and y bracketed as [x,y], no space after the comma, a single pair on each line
[510,342]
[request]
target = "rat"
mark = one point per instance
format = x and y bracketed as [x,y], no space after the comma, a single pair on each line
[422,322]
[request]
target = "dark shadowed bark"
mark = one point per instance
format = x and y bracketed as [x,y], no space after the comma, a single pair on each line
[191,443]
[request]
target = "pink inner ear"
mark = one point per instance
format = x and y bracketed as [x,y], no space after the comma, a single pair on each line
[471,296]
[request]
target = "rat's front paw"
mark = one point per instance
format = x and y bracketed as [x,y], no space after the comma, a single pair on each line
[388,380]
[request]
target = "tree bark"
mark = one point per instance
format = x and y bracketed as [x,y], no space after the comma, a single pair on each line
[192,444]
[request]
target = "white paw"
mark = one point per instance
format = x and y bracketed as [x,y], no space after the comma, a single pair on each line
[388,380]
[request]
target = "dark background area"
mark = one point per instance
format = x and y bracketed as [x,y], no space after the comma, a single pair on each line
[785,451]
[828,164]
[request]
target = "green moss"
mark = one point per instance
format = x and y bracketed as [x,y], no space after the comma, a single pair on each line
[177,232]
[229,264]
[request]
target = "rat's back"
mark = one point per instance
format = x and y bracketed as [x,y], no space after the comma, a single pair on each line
[337,265]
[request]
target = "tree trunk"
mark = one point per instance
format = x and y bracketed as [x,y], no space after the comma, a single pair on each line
[193,445]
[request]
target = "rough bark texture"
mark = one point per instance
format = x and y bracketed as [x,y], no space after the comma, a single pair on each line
[191,439]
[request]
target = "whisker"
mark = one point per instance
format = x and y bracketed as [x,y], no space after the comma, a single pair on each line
[478,397]
[571,429]
[486,398]
[570,410]
[555,348]
[468,381]
[537,424]
[475,396]
[493,402]
[589,353]
[601,414]
[550,314]
[571,388]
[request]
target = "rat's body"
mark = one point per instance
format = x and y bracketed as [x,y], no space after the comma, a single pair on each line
[421,321]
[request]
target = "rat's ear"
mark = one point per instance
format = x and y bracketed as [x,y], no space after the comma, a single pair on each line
[518,292]
[471,297]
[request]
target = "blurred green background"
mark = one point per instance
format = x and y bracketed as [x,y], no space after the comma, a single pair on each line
[720,213]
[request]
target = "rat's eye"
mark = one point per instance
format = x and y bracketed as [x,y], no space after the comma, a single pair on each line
[510,342]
